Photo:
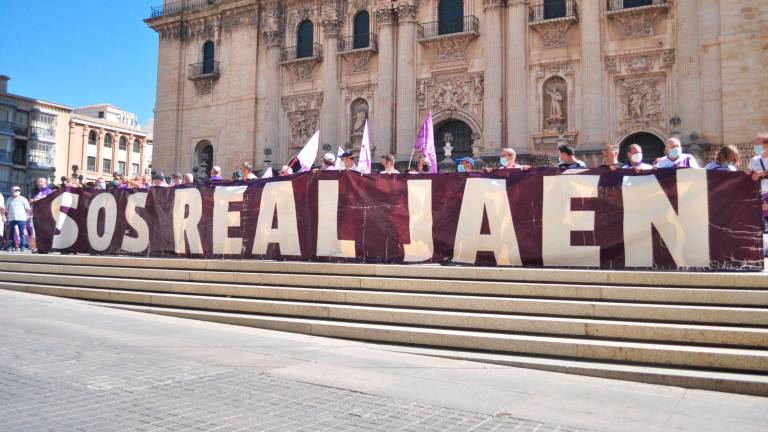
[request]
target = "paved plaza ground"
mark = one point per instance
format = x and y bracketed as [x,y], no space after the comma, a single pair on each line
[68,365]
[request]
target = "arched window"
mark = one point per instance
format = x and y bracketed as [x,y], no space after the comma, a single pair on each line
[208,56]
[652,146]
[93,138]
[362,30]
[123,144]
[305,38]
[136,146]
[204,156]
[450,16]
[456,132]
[108,141]
[554,9]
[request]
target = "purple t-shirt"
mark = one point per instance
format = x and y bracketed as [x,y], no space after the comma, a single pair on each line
[42,193]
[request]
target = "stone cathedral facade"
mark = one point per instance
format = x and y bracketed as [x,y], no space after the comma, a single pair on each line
[251,80]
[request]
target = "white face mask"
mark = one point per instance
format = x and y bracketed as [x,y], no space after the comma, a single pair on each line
[16,193]
[636,158]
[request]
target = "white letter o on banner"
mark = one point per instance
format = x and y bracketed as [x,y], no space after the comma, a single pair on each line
[107,202]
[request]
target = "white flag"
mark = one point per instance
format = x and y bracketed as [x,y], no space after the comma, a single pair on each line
[308,154]
[364,165]
[267,173]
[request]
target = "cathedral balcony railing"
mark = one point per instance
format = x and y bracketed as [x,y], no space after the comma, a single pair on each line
[542,11]
[364,41]
[179,6]
[203,70]
[621,6]
[301,53]
[460,26]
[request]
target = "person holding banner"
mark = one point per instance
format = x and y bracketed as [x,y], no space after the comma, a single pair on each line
[568,158]
[247,172]
[508,160]
[465,164]
[758,165]
[348,159]
[285,171]
[727,159]
[675,157]
[329,162]
[610,157]
[635,156]
[422,166]
[216,173]
[388,161]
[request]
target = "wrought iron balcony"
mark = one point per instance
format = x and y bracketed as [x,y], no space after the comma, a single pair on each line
[358,42]
[313,52]
[553,10]
[177,7]
[448,27]
[6,126]
[203,70]
[615,6]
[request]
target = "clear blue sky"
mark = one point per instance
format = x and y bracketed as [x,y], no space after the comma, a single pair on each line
[81,52]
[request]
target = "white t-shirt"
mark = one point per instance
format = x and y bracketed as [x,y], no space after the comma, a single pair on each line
[2,218]
[755,165]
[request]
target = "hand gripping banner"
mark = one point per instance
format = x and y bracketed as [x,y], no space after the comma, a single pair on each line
[684,219]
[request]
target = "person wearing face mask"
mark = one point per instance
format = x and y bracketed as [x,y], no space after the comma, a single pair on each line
[465,164]
[727,159]
[675,157]
[568,158]
[758,165]
[18,209]
[101,184]
[43,190]
[508,160]
[635,156]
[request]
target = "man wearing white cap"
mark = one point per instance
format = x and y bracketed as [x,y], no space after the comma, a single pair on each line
[329,162]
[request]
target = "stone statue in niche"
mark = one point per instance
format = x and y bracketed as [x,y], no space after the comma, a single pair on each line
[555,103]
[448,148]
[359,113]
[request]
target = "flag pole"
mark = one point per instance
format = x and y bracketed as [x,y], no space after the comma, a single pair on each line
[411,159]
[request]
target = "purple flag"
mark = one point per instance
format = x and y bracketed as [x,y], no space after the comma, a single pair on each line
[425,143]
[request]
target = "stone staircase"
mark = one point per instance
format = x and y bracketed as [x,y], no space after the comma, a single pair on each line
[697,330]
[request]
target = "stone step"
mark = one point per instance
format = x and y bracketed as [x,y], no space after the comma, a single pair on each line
[571,276]
[663,313]
[643,294]
[392,325]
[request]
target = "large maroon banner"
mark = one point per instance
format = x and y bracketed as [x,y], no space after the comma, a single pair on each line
[684,219]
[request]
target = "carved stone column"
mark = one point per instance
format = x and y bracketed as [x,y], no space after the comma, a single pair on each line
[99,150]
[128,154]
[688,49]
[268,94]
[385,100]
[492,110]
[330,110]
[517,75]
[115,155]
[406,77]
[590,105]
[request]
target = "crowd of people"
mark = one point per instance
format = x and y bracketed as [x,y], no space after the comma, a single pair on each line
[17,229]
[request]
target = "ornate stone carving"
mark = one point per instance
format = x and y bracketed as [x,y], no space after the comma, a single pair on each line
[553,32]
[233,18]
[555,68]
[637,63]
[385,15]
[273,27]
[668,58]
[639,21]
[492,4]
[640,102]
[452,92]
[450,48]
[406,11]
[303,113]
[359,91]
[360,5]
[358,112]
[359,60]
[204,86]
[331,25]
[207,23]
[555,103]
